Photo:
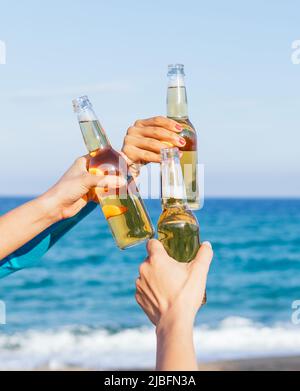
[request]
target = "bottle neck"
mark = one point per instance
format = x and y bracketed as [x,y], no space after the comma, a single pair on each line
[177,106]
[172,184]
[93,133]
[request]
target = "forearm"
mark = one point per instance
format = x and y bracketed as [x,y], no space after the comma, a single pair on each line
[30,253]
[175,347]
[24,223]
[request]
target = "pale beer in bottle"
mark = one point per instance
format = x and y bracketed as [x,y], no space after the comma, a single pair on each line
[177,109]
[178,228]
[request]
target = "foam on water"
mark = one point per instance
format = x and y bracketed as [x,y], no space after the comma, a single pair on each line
[135,348]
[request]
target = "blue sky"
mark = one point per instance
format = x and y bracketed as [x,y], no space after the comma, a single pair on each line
[243,89]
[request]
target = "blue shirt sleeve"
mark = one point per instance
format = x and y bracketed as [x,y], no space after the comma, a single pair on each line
[30,254]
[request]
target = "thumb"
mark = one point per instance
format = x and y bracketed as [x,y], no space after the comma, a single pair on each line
[203,258]
[154,247]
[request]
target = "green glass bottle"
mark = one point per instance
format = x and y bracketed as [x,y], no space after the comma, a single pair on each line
[178,228]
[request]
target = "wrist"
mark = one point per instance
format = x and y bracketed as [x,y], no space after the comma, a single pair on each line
[50,207]
[171,323]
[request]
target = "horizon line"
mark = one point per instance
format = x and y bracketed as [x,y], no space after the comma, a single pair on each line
[262,197]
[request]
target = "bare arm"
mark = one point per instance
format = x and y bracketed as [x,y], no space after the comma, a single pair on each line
[171,294]
[63,200]
[20,225]
[175,347]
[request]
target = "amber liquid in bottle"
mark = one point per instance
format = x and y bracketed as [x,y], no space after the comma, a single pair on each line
[123,208]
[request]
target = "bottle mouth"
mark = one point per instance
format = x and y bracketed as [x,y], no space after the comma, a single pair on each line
[81,103]
[176,69]
[169,153]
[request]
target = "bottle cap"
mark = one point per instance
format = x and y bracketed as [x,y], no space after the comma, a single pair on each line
[169,153]
[176,69]
[81,103]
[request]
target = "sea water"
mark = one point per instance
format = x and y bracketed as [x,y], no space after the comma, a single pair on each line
[77,307]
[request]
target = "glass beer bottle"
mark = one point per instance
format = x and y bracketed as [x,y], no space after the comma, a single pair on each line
[178,228]
[177,109]
[123,208]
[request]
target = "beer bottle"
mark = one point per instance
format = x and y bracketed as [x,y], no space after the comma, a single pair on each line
[177,109]
[123,208]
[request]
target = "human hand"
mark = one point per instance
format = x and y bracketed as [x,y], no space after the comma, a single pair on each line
[72,192]
[172,292]
[146,138]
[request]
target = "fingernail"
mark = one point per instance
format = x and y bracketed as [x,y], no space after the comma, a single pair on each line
[208,244]
[178,127]
[182,141]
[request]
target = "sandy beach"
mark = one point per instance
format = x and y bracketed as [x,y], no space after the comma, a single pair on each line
[291,363]
[255,364]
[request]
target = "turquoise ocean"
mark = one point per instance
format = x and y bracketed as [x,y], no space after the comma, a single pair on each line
[76,307]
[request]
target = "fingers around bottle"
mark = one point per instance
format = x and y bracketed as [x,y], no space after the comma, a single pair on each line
[91,179]
[140,291]
[157,133]
[147,143]
[204,256]
[145,290]
[92,196]
[138,155]
[144,268]
[160,121]
[110,181]
[81,203]
[82,162]
[139,298]
[207,244]
[155,248]
[143,301]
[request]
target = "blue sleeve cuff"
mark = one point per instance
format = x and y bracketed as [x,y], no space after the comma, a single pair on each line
[30,254]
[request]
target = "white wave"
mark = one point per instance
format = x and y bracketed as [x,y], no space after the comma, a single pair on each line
[135,348]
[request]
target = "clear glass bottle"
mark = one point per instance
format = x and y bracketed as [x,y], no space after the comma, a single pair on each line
[177,109]
[123,208]
[178,228]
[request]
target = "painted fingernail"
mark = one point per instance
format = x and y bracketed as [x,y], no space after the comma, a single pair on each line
[178,127]
[208,244]
[182,141]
